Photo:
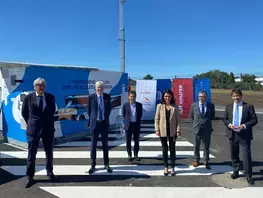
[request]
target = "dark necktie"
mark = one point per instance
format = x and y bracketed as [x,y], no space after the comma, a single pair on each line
[203,109]
[41,103]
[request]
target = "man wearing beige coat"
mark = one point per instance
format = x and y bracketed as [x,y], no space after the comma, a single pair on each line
[167,126]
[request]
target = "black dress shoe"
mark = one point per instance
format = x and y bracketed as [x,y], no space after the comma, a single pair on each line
[137,158]
[130,158]
[173,172]
[109,170]
[30,181]
[92,170]
[52,177]
[250,181]
[207,166]
[235,175]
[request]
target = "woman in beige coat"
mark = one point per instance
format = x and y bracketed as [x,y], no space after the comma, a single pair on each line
[167,127]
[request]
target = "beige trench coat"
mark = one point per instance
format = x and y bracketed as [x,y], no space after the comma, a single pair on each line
[160,120]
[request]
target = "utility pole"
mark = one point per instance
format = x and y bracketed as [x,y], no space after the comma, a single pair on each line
[122,35]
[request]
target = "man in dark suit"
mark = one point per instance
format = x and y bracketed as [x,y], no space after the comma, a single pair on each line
[202,114]
[99,109]
[38,112]
[132,114]
[239,119]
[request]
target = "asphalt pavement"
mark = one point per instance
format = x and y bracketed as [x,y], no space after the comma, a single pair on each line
[145,177]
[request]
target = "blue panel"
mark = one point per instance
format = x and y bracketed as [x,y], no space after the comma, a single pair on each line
[162,85]
[70,86]
[202,84]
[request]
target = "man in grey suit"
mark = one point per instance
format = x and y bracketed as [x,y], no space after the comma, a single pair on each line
[202,113]
[239,120]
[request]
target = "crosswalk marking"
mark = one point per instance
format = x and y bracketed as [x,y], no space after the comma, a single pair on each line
[120,143]
[150,170]
[73,159]
[147,125]
[86,154]
[144,135]
[152,192]
[142,129]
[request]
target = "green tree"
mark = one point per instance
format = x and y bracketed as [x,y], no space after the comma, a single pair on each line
[231,78]
[248,78]
[218,78]
[148,77]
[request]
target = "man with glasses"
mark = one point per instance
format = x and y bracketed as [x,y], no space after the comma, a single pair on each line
[38,112]
[202,113]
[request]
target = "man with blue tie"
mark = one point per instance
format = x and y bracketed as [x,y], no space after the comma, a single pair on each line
[132,114]
[99,109]
[202,113]
[239,119]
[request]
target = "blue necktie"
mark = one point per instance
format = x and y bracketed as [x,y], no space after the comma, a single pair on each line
[236,117]
[100,109]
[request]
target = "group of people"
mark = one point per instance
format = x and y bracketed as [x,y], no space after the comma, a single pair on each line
[39,107]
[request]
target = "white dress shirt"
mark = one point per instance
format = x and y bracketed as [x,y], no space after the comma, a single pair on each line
[44,100]
[200,107]
[240,111]
[133,112]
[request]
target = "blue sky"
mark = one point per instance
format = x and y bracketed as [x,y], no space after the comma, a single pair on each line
[164,37]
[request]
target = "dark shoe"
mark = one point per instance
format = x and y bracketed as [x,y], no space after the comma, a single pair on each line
[196,164]
[235,175]
[172,172]
[165,172]
[30,181]
[109,170]
[137,158]
[92,170]
[52,177]
[250,181]
[130,158]
[207,166]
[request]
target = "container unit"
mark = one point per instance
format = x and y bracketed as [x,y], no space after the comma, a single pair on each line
[183,93]
[71,86]
[202,84]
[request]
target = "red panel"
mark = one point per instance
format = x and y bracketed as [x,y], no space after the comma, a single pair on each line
[184,95]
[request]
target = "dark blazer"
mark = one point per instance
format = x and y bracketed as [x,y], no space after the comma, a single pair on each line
[202,123]
[37,119]
[249,118]
[126,113]
[92,109]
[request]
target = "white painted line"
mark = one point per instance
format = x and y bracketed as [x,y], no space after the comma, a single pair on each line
[133,170]
[86,154]
[152,192]
[120,143]
[146,135]
[15,146]
[142,129]
[147,125]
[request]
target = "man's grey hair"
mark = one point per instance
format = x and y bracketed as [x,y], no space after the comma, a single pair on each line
[202,92]
[99,84]
[39,81]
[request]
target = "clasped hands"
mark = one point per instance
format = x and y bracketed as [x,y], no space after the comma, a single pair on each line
[242,126]
[177,133]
